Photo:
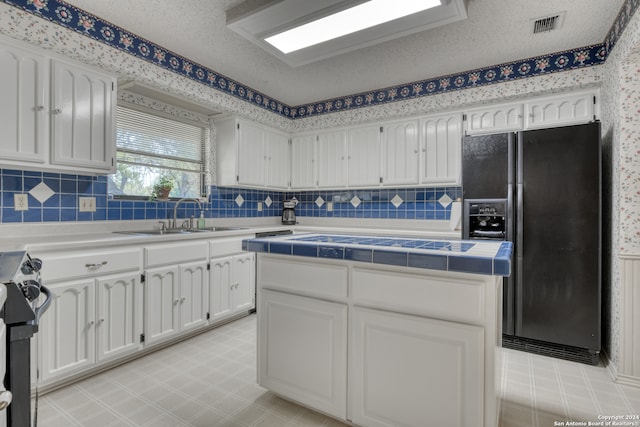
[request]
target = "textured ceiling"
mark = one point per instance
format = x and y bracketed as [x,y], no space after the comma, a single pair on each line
[496,31]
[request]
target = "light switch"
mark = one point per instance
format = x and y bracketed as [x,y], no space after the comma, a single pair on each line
[87,204]
[259,206]
[329,206]
[21,202]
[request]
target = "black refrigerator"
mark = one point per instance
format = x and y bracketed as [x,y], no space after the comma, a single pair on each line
[550,182]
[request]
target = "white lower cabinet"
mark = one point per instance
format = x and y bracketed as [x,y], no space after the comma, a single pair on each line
[88,322]
[176,289]
[175,300]
[95,313]
[161,299]
[232,285]
[401,370]
[302,348]
[194,295]
[379,346]
[67,330]
[105,307]
[119,317]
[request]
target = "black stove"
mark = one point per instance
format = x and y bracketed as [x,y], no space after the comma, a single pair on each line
[21,313]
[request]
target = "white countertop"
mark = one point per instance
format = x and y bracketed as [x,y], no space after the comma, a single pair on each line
[79,235]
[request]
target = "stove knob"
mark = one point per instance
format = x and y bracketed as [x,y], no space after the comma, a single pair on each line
[32,265]
[31,289]
[5,399]
[37,264]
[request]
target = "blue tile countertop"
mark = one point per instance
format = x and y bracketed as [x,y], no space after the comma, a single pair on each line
[466,256]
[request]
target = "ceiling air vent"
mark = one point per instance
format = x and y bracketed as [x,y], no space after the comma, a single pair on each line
[548,23]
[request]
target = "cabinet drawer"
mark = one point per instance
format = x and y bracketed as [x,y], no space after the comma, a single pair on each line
[76,264]
[226,246]
[303,278]
[175,253]
[457,299]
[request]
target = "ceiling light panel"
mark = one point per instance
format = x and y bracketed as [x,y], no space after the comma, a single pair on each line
[260,19]
[364,15]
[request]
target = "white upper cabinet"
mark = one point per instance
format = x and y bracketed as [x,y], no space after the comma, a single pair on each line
[535,113]
[278,163]
[400,153]
[23,104]
[332,159]
[55,115]
[560,110]
[495,119]
[82,123]
[249,154]
[303,161]
[252,153]
[363,147]
[441,149]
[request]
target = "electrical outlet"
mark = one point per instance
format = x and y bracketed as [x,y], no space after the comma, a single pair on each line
[329,206]
[21,202]
[259,206]
[87,204]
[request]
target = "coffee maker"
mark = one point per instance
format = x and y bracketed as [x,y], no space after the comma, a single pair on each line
[289,212]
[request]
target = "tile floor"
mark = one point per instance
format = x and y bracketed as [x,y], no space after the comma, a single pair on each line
[209,380]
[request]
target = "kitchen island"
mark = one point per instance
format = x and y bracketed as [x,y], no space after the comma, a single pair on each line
[382,331]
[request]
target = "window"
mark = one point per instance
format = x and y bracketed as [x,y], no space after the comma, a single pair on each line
[150,147]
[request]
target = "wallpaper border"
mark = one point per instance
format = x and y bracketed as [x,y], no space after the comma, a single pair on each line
[92,26]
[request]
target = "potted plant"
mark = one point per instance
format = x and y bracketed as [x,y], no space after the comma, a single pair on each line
[162,188]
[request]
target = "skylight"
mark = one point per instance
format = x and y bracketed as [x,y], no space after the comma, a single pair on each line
[348,21]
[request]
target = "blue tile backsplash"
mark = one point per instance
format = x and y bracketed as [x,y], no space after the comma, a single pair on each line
[62,206]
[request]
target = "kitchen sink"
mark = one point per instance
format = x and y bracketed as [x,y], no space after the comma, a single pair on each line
[172,231]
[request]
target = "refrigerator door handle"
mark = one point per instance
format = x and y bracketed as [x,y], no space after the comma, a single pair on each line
[519,219]
[519,258]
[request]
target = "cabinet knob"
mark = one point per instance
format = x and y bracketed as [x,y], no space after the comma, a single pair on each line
[176,301]
[57,111]
[102,320]
[39,108]
[5,399]
[183,299]
[91,323]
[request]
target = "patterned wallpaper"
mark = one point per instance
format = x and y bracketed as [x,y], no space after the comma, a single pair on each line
[621,161]
[89,25]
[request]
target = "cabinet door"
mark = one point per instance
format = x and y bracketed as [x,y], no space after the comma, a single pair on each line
[560,111]
[495,119]
[302,350]
[161,304]
[441,150]
[23,119]
[400,148]
[221,280]
[363,145]
[244,282]
[332,159]
[278,164]
[194,295]
[67,330]
[119,324]
[303,162]
[252,154]
[401,369]
[83,119]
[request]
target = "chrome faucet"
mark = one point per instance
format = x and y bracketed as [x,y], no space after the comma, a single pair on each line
[174,223]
